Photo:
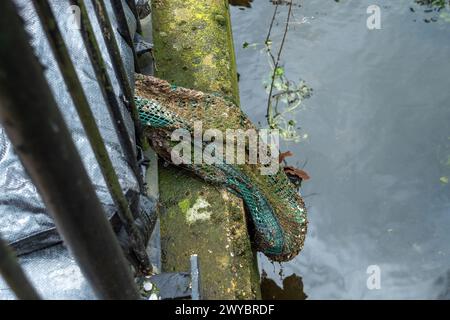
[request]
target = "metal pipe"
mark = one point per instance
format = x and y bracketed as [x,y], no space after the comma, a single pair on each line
[124,30]
[116,59]
[84,111]
[14,276]
[195,278]
[107,89]
[44,145]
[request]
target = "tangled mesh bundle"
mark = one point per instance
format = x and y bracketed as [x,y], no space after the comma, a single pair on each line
[276,209]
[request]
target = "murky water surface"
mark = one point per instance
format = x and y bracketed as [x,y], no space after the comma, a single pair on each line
[378,151]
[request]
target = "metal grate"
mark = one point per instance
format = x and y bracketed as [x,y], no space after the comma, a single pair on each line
[77,207]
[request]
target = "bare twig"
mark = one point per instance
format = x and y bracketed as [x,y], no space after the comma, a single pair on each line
[271,23]
[269,102]
[266,43]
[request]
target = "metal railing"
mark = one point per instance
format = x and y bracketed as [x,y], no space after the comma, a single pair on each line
[35,127]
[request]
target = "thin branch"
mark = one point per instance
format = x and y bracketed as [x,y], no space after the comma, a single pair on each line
[269,104]
[271,24]
[266,43]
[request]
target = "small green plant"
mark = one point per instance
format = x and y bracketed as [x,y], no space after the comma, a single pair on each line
[436,10]
[285,96]
[435,4]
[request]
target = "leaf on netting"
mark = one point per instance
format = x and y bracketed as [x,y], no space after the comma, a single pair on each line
[284,155]
[298,173]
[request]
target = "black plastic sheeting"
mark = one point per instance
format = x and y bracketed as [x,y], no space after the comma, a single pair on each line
[24,221]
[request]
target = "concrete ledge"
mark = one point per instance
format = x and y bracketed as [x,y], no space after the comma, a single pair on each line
[194,49]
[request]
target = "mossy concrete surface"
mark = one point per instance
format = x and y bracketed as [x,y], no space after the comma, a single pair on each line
[194,45]
[193,48]
[197,218]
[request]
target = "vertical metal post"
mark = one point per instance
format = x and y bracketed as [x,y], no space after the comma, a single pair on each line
[124,30]
[81,103]
[114,54]
[195,278]
[107,89]
[33,123]
[14,276]
[132,5]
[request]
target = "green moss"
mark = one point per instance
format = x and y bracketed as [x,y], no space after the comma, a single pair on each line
[221,19]
[226,259]
[184,205]
[193,48]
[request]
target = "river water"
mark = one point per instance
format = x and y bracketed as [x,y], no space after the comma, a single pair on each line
[378,146]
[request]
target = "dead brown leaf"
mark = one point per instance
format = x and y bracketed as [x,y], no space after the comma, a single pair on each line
[298,173]
[284,155]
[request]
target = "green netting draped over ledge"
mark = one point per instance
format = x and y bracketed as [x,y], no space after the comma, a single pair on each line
[276,209]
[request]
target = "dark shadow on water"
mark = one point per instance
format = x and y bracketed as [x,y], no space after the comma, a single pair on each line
[292,289]
[444,283]
[241,3]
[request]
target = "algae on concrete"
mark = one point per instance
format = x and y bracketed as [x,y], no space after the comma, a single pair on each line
[193,48]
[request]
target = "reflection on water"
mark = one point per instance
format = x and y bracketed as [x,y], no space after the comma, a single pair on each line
[241,3]
[378,150]
[292,288]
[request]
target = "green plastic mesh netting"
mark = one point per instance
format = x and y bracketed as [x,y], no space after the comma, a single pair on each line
[276,209]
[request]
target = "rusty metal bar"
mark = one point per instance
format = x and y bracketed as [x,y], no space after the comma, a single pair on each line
[14,276]
[81,103]
[119,69]
[124,30]
[132,5]
[37,130]
[107,89]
